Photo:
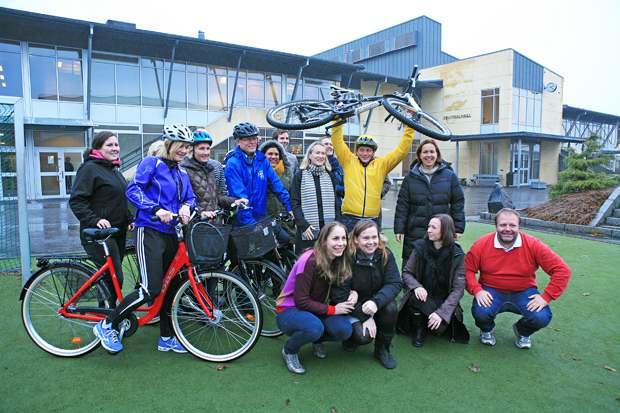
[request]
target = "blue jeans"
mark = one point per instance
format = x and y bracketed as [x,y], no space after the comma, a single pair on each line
[304,327]
[514,302]
[349,221]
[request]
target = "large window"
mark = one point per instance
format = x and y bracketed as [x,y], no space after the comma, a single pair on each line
[240,97]
[488,158]
[490,106]
[197,87]
[153,82]
[10,69]
[256,90]
[55,73]
[273,90]
[218,89]
[177,86]
[526,110]
[115,79]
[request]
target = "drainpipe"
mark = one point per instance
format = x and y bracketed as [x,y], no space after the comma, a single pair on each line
[89,77]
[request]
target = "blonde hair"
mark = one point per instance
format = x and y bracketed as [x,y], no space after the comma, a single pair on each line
[306,161]
[168,148]
[335,270]
[155,148]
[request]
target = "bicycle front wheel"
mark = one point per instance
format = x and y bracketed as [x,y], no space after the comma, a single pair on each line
[300,114]
[267,280]
[49,290]
[236,323]
[420,121]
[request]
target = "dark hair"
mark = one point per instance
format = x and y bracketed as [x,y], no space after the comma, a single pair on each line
[362,226]
[277,133]
[418,152]
[508,211]
[336,270]
[98,141]
[448,232]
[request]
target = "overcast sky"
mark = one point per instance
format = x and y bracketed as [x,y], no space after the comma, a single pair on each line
[579,40]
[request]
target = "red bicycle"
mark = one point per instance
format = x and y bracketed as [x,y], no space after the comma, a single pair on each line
[215,314]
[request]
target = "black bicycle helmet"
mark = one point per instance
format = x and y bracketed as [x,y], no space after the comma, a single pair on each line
[245,130]
[366,140]
[178,133]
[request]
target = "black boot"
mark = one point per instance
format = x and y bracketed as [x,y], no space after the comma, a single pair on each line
[418,329]
[382,353]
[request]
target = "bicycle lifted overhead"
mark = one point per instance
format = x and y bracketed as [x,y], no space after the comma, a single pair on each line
[215,314]
[403,105]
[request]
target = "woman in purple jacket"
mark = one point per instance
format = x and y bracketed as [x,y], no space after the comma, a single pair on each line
[303,310]
[160,188]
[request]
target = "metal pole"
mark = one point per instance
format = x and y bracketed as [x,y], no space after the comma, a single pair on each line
[519,163]
[299,72]
[89,61]
[22,206]
[232,99]
[174,49]
[456,164]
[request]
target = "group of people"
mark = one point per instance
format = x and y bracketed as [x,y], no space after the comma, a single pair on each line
[345,283]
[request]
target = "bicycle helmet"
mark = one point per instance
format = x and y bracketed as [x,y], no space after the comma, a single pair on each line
[245,130]
[366,140]
[202,136]
[178,133]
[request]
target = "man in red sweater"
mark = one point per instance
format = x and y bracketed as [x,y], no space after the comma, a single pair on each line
[507,261]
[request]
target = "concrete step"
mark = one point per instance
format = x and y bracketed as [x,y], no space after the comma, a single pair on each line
[616,213]
[613,221]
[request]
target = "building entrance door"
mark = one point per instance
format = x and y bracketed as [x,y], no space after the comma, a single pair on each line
[56,171]
[520,163]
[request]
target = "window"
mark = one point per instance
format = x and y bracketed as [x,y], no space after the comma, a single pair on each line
[10,69]
[376,49]
[217,89]
[290,88]
[488,158]
[102,87]
[490,106]
[239,96]
[127,85]
[405,40]
[153,82]
[256,90]
[273,92]
[177,87]
[197,87]
[526,110]
[56,73]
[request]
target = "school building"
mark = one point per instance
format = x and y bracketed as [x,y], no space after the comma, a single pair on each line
[62,80]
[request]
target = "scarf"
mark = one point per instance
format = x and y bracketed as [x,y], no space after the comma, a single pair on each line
[279,168]
[428,173]
[315,169]
[97,154]
[318,201]
[435,268]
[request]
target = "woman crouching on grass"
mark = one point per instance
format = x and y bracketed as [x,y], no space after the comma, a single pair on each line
[376,282]
[303,312]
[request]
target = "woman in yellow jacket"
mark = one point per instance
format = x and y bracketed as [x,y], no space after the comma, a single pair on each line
[364,174]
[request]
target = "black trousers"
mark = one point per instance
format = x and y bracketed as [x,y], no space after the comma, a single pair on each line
[155,251]
[385,319]
[116,246]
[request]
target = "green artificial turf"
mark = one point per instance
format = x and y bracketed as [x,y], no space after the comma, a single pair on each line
[569,368]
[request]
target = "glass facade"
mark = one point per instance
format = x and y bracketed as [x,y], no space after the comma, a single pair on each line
[55,73]
[10,69]
[526,110]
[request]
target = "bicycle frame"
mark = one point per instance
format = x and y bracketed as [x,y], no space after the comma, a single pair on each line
[180,262]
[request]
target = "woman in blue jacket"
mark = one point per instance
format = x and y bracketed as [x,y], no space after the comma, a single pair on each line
[160,188]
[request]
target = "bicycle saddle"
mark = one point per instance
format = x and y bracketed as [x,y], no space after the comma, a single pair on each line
[93,234]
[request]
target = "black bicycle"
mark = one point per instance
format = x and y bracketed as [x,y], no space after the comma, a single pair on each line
[308,114]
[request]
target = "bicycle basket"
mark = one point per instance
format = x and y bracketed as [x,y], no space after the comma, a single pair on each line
[253,241]
[207,242]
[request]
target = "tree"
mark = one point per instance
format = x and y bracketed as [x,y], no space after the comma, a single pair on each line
[580,175]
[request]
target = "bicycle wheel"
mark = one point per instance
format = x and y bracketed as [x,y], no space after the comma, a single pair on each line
[420,121]
[227,336]
[50,288]
[267,280]
[300,114]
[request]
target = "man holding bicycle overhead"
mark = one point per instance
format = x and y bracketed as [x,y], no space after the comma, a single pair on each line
[364,174]
[161,188]
[249,175]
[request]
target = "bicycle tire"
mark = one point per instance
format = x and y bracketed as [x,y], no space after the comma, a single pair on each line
[300,114]
[45,294]
[267,280]
[227,337]
[420,121]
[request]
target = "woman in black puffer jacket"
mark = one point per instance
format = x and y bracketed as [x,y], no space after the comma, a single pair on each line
[430,188]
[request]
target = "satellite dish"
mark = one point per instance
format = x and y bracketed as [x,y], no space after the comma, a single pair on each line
[551,87]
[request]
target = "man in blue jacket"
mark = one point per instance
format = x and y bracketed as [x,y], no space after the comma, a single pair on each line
[249,175]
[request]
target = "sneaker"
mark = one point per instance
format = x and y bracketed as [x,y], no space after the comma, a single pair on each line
[292,363]
[386,358]
[318,349]
[488,338]
[522,341]
[108,336]
[171,344]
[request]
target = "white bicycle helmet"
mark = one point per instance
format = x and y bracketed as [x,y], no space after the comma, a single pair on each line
[178,133]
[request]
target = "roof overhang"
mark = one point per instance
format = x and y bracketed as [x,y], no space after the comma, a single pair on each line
[585,115]
[526,136]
